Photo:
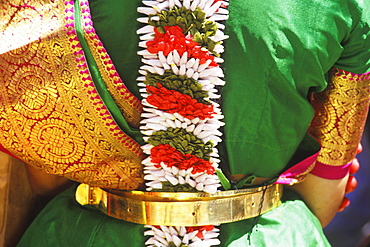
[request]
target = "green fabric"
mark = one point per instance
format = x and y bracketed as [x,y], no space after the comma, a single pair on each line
[290,224]
[65,223]
[115,22]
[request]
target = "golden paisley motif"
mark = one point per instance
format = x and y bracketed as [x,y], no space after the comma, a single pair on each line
[323,120]
[340,116]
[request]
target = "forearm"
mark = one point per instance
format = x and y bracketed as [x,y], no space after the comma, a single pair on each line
[340,115]
[322,196]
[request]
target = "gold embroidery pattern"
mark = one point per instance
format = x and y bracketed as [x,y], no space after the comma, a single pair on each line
[131,106]
[340,117]
[30,21]
[58,141]
[51,116]
[34,90]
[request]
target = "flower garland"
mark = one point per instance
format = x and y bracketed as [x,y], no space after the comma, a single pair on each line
[182,42]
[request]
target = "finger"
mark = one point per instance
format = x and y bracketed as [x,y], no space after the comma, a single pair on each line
[351,184]
[345,203]
[359,148]
[355,166]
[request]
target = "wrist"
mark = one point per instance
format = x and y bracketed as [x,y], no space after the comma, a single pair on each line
[331,172]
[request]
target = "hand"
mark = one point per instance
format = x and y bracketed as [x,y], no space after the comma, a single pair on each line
[352,181]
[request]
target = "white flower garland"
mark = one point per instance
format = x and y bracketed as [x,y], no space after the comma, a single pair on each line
[207,73]
[179,235]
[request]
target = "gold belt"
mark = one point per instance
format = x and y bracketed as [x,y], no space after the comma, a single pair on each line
[182,209]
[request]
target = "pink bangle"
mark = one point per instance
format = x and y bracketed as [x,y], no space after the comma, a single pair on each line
[330,172]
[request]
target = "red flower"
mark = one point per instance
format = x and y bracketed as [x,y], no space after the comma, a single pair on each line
[200,230]
[222,5]
[172,101]
[175,39]
[171,157]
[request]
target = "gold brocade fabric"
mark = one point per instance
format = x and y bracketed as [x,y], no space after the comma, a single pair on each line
[51,115]
[340,117]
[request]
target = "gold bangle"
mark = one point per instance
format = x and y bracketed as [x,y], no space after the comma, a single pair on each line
[182,209]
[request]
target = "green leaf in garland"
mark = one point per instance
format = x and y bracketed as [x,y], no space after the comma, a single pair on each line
[182,141]
[180,83]
[168,187]
[223,179]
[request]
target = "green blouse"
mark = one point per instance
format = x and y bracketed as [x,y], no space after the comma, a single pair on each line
[276,55]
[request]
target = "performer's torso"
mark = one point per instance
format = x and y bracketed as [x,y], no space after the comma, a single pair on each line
[52,88]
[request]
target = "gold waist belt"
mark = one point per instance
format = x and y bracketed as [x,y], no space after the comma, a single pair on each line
[181,209]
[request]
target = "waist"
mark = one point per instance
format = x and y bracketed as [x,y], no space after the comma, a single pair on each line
[182,208]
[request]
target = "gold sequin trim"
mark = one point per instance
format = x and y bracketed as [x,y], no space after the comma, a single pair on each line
[340,116]
[51,115]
